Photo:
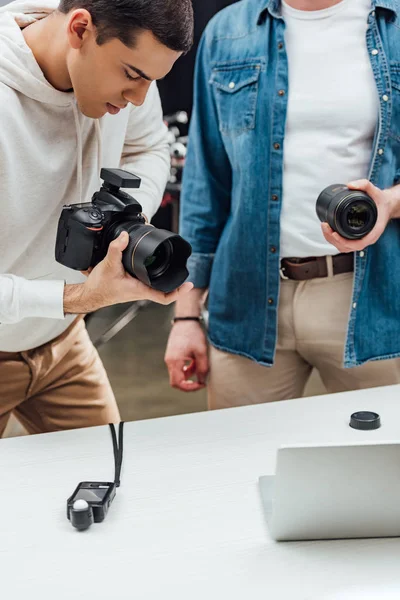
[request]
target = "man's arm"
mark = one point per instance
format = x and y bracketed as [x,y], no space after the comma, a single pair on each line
[107,284]
[388,205]
[205,208]
[207,176]
[23,299]
[146,152]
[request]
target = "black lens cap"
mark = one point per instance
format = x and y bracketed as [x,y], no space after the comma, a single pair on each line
[365,420]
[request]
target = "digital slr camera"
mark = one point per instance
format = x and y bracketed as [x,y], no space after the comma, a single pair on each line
[154,256]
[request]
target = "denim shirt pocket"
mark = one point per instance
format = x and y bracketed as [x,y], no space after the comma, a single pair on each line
[236,91]
[395,81]
[394,128]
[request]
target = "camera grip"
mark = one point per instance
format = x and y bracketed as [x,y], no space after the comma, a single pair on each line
[75,244]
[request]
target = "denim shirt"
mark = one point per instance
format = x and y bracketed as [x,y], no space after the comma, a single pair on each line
[232,190]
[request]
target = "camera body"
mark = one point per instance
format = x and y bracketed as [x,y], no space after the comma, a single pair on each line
[351,213]
[84,229]
[154,256]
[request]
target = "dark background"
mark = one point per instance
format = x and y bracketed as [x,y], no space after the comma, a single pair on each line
[176,89]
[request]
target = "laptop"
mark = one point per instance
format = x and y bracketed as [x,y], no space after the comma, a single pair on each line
[333,492]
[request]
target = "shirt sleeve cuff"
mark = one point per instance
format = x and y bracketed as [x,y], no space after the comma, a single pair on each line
[42,299]
[199,266]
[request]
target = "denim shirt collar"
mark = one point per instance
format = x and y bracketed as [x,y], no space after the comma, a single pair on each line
[388,4]
[274,8]
[271,6]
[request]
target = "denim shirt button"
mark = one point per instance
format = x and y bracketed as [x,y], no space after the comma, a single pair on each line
[274,197]
[362,254]
[232,85]
[355,305]
[380,151]
[374,52]
[270,301]
[385,97]
[281,92]
[277,146]
[280,46]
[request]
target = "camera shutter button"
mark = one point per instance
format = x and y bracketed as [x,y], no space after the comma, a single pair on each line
[95,215]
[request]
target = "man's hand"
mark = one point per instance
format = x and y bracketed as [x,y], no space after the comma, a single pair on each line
[186,356]
[388,205]
[108,283]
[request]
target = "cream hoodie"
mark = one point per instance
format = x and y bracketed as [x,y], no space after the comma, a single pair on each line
[51,155]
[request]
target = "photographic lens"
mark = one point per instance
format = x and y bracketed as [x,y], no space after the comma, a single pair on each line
[154,256]
[351,213]
[357,216]
[158,262]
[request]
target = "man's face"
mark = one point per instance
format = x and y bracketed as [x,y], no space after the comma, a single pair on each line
[108,77]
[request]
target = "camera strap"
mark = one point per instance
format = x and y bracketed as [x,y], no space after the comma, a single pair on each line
[118,447]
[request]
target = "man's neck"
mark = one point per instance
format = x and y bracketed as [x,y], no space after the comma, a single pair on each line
[312,4]
[46,40]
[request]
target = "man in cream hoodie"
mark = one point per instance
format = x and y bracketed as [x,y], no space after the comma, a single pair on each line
[77,93]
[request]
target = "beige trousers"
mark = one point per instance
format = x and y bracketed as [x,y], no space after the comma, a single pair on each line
[312,326]
[60,385]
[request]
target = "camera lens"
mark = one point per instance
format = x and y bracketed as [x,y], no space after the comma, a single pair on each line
[158,262]
[357,216]
[154,256]
[351,213]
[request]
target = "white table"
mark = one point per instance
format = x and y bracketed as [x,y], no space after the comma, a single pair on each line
[187,522]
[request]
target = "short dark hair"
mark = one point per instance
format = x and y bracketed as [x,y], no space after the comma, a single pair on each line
[170,21]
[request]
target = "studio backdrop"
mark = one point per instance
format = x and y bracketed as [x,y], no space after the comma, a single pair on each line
[177,88]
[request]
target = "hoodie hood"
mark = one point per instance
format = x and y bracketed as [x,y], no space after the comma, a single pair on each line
[20,71]
[18,67]
[26,13]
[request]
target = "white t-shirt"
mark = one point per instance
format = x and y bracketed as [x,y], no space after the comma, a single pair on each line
[333,109]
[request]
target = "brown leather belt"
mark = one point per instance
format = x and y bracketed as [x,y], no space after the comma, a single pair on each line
[302,269]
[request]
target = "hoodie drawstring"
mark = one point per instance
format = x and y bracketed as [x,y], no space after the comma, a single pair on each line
[79,157]
[99,145]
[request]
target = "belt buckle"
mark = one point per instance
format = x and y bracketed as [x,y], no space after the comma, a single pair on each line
[281,272]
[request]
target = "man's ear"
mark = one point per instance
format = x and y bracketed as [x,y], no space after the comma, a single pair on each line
[80,24]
